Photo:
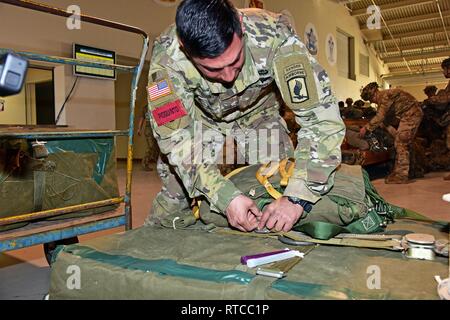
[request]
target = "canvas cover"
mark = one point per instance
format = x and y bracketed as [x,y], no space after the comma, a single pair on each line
[160,263]
[76,171]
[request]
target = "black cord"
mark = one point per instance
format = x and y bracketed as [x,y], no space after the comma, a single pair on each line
[67,99]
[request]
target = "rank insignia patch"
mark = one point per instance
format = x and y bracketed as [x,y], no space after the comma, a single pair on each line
[169,112]
[159,90]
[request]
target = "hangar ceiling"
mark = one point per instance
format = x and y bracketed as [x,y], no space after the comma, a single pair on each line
[412,37]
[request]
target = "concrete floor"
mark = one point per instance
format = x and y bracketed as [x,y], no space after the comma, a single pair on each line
[24,274]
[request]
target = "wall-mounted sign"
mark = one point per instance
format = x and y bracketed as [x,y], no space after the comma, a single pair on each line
[254,4]
[167,3]
[330,44]
[311,39]
[90,54]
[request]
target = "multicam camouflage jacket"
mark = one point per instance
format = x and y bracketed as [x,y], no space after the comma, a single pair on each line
[392,100]
[180,98]
[441,99]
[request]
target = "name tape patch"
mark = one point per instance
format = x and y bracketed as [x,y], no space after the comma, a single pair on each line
[159,90]
[169,112]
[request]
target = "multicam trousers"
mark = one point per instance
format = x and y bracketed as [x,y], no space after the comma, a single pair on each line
[407,130]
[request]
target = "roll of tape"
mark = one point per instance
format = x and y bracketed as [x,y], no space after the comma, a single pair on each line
[420,246]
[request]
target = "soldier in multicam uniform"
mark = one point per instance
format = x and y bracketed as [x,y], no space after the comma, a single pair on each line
[440,103]
[220,69]
[407,110]
[430,91]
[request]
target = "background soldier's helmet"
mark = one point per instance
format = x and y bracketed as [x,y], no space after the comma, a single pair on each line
[368,91]
[446,63]
[430,90]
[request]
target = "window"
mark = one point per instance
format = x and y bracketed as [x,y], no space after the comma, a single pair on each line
[364,65]
[346,55]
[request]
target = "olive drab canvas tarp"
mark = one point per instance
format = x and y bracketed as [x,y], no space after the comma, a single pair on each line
[160,263]
[76,171]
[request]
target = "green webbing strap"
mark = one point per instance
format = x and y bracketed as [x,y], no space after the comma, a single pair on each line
[409,214]
[321,230]
[39,189]
[163,267]
[371,223]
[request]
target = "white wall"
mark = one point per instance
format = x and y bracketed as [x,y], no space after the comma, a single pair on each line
[93,103]
[38,75]
[417,90]
[14,112]
[328,16]
[15,106]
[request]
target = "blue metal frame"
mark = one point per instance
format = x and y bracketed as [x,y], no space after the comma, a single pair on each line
[63,135]
[126,218]
[55,235]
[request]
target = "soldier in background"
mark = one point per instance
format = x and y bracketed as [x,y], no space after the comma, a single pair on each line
[350,111]
[440,104]
[220,69]
[430,91]
[152,151]
[407,110]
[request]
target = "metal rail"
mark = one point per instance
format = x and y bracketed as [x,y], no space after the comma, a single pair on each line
[56,212]
[137,71]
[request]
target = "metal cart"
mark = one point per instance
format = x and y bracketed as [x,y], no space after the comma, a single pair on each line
[40,231]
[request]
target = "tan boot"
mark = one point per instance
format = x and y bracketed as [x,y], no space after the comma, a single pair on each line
[396,179]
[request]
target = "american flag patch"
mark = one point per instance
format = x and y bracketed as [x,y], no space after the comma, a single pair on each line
[159,90]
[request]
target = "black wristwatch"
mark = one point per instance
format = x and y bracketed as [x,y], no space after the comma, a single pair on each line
[307,206]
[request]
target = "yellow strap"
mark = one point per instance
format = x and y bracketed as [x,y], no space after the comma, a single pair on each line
[235,172]
[264,180]
[196,210]
[286,175]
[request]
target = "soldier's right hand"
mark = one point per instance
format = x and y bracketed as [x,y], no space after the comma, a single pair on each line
[243,214]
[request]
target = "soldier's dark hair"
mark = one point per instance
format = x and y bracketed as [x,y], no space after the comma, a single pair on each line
[430,90]
[359,103]
[445,63]
[207,27]
[372,85]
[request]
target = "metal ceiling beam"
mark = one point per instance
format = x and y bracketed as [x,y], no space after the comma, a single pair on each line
[412,19]
[422,45]
[443,21]
[426,55]
[411,34]
[392,6]
[435,67]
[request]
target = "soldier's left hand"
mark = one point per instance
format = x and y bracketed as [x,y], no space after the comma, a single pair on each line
[281,215]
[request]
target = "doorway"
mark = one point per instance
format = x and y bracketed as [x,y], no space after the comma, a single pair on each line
[45,103]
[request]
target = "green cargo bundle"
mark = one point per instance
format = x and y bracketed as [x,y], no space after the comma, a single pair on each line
[76,171]
[159,263]
[352,205]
